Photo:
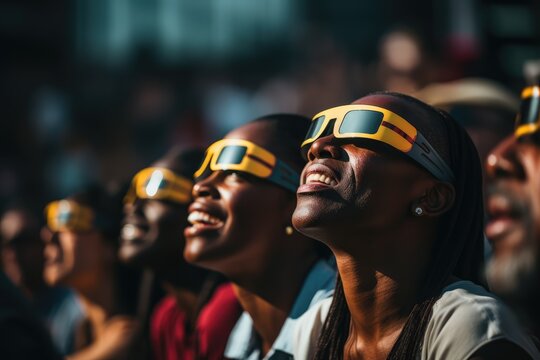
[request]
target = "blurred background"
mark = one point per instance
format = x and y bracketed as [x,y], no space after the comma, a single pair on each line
[93,90]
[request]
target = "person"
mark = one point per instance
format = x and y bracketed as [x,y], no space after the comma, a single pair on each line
[23,263]
[81,253]
[195,318]
[22,250]
[513,207]
[483,107]
[22,334]
[393,187]
[241,226]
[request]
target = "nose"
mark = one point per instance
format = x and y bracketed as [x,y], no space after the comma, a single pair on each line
[52,246]
[206,188]
[504,161]
[324,147]
[134,207]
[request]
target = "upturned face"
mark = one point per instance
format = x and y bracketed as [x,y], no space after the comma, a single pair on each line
[238,220]
[152,231]
[513,206]
[71,258]
[352,186]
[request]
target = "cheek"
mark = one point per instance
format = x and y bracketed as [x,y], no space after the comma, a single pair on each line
[255,212]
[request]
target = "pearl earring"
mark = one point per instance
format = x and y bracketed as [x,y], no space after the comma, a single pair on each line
[418,211]
[289,230]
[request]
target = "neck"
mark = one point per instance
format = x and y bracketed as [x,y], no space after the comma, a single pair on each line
[186,300]
[268,297]
[99,291]
[382,273]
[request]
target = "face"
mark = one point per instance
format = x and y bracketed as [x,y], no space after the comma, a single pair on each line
[152,232]
[238,221]
[513,205]
[353,186]
[71,258]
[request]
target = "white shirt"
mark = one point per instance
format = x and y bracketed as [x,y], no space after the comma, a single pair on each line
[465,318]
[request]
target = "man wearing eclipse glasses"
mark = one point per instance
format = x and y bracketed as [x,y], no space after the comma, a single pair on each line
[513,206]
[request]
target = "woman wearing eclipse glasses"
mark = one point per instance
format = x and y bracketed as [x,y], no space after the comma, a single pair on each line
[240,218]
[81,253]
[401,209]
[195,318]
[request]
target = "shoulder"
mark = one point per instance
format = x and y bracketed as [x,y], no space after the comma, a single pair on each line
[307,329]
[466,318]
[221,311]
[166,312]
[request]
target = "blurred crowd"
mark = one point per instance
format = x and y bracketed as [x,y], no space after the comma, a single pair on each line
[165,222]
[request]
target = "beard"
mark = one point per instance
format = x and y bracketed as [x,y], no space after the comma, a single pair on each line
[516,280]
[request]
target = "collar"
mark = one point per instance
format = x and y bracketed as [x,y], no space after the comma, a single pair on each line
[244,342]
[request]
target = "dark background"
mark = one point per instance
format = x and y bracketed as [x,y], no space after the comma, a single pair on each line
[93,90]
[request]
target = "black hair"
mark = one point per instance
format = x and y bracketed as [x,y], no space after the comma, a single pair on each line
[289,131]
[458,250]
[183,161]
[107,208]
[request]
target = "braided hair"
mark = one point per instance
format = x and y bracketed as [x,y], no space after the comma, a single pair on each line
[458,250]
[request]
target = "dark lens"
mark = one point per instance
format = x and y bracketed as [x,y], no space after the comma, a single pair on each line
[529,112]
[232,154]
[314,127]
[361,121]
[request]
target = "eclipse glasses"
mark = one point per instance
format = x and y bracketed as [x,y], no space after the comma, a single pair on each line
[376,123]
[245,156]
[160,184]
[67,215]
[528,118]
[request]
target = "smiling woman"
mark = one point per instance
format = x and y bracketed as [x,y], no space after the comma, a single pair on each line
[393,187]
[241,226]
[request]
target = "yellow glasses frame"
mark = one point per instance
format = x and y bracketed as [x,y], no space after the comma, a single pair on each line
[393,130]
[384,134]
[146,185]
[68,215]
[262,167]
[255,160]
[531,93]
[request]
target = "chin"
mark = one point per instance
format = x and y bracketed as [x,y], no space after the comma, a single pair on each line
[514,277]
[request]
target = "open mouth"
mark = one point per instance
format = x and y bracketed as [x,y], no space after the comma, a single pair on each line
[133,229]
[504,215]
[203,219]
[318,177]
[132,233]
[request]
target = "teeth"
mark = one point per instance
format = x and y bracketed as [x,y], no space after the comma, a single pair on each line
[320,178]
[199,217]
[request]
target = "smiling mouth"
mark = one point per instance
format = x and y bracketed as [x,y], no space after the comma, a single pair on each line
[201,219]
[504,216]
[132,233]
[319,178]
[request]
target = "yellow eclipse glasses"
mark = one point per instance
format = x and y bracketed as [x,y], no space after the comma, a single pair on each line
[245,156]
[160,184]
[528,118]
[68,215]
[376,123]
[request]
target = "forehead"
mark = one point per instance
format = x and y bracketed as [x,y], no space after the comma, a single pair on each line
[259,132]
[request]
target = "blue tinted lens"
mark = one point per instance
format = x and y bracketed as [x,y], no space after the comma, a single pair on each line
[232,154]
[529,112]
[361,121]
[314,127]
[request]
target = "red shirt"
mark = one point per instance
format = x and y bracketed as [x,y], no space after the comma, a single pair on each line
[170,341]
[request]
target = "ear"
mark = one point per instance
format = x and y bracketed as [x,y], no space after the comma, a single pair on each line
[437,200]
